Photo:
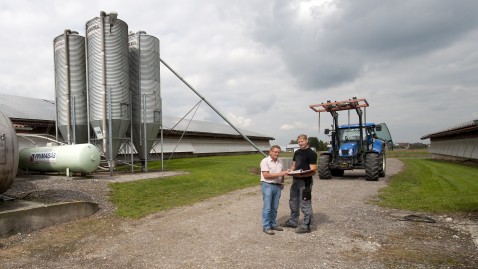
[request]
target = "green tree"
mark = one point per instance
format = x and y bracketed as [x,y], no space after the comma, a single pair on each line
[314,142]
[322,146]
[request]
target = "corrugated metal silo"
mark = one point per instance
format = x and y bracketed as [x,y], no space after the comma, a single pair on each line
[146,92]
[108,80]
[70,87]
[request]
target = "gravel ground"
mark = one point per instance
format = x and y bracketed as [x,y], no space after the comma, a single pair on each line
[225,232]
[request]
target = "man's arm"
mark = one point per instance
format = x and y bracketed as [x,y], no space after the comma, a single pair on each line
[268,175]
[312,171]
[292,167]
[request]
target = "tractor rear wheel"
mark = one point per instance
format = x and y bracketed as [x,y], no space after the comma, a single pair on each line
[372,168]
[383,165]
[324,166]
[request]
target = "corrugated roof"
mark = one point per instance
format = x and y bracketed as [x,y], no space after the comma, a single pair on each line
[27,108]
[463,127]
[38,109]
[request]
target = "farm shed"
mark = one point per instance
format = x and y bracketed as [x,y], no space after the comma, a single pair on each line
[456,143]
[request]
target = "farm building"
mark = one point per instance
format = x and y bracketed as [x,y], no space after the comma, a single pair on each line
[185,138]
[457,143]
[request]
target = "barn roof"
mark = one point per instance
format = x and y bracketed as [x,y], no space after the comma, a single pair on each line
[19,107]
[460,128]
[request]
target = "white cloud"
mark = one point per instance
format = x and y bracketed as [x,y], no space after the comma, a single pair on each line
[238,120]
[262,63]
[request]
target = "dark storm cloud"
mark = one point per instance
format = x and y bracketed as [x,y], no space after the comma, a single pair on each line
[336,48]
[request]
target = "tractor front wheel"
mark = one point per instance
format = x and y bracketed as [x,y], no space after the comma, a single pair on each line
[324,166]
[372,167]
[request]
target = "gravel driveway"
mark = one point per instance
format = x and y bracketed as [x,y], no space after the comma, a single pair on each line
[226,232]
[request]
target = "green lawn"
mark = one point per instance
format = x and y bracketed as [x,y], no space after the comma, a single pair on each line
[432,186]
[209,177]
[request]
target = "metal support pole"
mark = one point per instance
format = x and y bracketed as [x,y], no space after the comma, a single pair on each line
[68,86]
[73,117]
[213,108]
[145,137]
[110,135]
[87,87]
[56,117]
[131,132]
[103,75]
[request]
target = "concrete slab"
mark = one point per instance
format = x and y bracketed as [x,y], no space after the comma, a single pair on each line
[25,216]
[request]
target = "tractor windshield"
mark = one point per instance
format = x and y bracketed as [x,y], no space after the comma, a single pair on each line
[346,135]
[353,134]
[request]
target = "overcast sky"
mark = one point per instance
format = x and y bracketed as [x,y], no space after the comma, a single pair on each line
[261,63]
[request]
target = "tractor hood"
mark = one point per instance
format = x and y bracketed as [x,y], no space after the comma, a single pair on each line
[348,149]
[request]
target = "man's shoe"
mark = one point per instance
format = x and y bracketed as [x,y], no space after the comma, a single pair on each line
[277,228]
[288,224]
[302,230]
[268,231]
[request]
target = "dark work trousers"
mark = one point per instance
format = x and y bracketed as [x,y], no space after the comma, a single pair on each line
[300,200]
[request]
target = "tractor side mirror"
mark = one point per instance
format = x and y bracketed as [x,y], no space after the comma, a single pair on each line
[378,127]
[326,131]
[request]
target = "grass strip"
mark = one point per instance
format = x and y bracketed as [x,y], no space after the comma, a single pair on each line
[209,177]
[432,186]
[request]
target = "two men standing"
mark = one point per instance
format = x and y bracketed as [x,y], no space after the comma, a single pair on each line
[272,179]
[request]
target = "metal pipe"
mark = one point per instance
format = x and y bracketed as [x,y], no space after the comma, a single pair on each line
[161,130]
[103,74]
[131,132]
[213,108]
[56,118]
[145,143]
[73,115]
[142,133]
[110,135]
[56,98]
[87,87]
[161,115]
[365,114]
[68,87]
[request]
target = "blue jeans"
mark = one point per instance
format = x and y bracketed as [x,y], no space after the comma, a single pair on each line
[270,197]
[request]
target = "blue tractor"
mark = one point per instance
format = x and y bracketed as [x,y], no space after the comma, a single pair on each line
[353,146]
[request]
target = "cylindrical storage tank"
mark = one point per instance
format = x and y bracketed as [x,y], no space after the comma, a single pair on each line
[81,158]
[144,78]
[70,87]
[108,79]
[8,153]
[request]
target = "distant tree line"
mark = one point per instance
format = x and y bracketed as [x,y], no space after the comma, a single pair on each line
[418,146]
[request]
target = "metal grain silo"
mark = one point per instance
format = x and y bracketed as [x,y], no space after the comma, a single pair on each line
[145,87]
[108,81]
[70,87]
[8,153]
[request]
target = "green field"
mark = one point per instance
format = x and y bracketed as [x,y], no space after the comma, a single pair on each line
[424,184]
[209,177]
[432,186]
